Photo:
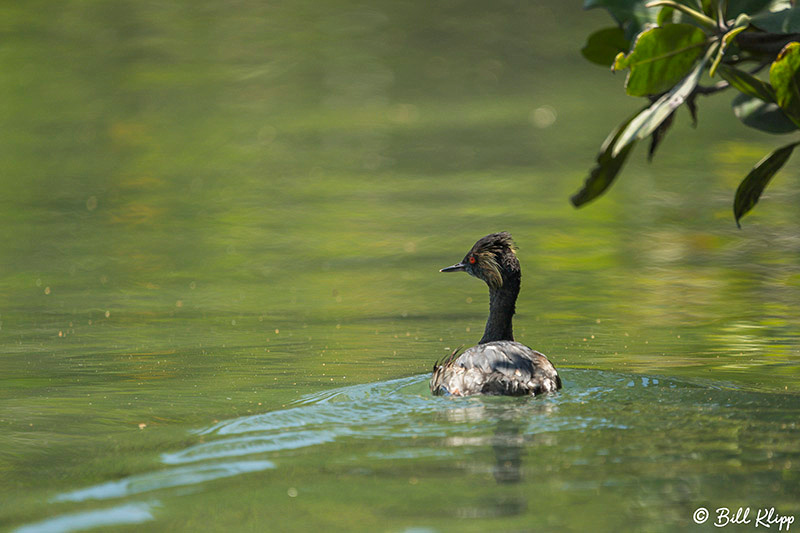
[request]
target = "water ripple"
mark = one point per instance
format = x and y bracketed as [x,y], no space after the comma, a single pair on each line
[395,409]
[173,477]
[253,444]
[412,425]
[129,513]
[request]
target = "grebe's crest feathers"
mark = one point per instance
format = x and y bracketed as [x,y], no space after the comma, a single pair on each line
[495,243]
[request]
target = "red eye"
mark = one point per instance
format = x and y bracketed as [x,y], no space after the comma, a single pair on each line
[472,260]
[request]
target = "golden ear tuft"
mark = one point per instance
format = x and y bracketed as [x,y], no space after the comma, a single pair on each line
[491,270]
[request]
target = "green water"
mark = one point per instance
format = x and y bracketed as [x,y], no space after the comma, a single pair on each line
[221,228]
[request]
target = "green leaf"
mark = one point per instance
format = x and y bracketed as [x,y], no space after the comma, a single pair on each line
[784,21]
[607,168]
[603,46]
[661,57]
[648,120]
[764,116]
[753,185]
[665,16]
[785,79]
[746,83]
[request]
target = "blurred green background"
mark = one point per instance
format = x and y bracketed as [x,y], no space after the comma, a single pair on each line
[211,209]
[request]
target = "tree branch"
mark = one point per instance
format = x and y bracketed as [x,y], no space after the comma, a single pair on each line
[711,89]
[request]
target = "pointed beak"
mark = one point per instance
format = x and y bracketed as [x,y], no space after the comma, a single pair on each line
[458,267]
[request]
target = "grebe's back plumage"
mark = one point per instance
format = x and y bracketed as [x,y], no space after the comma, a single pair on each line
[498,364]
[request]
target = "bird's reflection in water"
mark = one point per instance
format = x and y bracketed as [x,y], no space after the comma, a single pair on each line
[509,440]
[508,446]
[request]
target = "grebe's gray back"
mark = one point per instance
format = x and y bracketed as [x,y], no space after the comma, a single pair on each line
[498,364]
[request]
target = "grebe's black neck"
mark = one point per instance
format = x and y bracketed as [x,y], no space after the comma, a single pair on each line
[502,302]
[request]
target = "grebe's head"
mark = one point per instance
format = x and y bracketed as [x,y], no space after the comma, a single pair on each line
[493,259]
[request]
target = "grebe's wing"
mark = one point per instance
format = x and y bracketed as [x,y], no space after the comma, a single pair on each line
[507,367]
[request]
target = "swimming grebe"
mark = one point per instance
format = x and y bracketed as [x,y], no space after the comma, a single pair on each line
[497,365]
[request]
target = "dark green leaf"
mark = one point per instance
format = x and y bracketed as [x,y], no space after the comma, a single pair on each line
[607,168]
[752,186]
[661,57]
[746,83]
[689,13]
[761,115]
[603,46]
[658,136]
[631,15]
[785,21]
[620,10]
[784,76]
[648,120]
[691,105]
[764,46]
[751,7]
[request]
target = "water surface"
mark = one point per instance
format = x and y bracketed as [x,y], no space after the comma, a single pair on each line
[364,456]
[219,297]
